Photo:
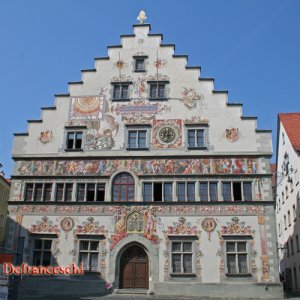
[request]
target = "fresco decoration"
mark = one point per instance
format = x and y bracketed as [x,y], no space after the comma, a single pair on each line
[167,133]
[190,98]
[44,226]
[66,224]
[196,120]
[46,136]
[232,134]
[166,210]
[160,63]
[138,111]
[234,166]
[236,228]
[120,64]
[133,220]
[91,227]
[209,225]
[265,268]
[182,227]
[121,78]
[103,258]
[137,166]
[94,113]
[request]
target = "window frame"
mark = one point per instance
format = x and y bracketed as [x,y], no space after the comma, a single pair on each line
[127,184]
[186,191]
[195,128]
[85,195]
[241,182]
[208,189]
[158,83]
[137,129]
[89,251]
[184,239]
[42,250]
[34,191]
[236,240]
[152,190]
[64,191]
[121,84]
[75,132]
[136,58]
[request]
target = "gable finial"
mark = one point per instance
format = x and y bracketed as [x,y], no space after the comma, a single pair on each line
[142,17]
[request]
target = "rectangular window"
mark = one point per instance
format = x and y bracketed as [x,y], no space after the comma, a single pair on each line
[59,192]
[38,192]
[204,191]
[196,138]
[121,91]
[226,191]
[80,192]
[137,139]
[100,196]
[89,255]
[47,191]
[191,191]
[237,191]
[182,257]
[90,192]
[74,140]
[237,257]
[157,191]
[28,191]
[247,191]
[213,191]
[41,252]
[68,191]
[157,90]
[186,191]
[139,64]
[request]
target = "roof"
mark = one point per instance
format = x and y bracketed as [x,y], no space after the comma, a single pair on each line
[291,124]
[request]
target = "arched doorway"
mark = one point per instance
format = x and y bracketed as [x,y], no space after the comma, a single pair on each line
[134,269]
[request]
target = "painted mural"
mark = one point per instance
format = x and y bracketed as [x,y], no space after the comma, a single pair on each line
[90,227]
[139,111]
[190,98]
[137,166]
[196,120]
[182,227]
[209,225]
[167,133]
[232,134]
[46,136]
[160,63]
[136,220]
[94,112]
[166,210]
[44,226]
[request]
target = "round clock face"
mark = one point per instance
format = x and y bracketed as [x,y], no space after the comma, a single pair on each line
[167,134]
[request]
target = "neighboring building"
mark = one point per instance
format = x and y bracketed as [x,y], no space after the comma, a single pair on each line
[150,178]
[4,196]
[288,198]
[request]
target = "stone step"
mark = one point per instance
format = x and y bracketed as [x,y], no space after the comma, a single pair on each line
[131,291]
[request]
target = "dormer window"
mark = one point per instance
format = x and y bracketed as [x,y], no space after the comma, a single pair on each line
[158,90]
[140,63]
[121,91]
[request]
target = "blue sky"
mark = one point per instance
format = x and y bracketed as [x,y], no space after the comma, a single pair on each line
[250,47]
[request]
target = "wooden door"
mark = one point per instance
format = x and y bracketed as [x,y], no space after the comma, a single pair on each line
[134,269]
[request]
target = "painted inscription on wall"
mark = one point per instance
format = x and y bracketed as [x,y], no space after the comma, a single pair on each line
[137,166]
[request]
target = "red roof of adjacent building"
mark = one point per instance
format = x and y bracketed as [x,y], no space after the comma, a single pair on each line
[291,124]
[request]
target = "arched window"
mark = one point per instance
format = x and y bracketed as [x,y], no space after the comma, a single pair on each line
[123,187]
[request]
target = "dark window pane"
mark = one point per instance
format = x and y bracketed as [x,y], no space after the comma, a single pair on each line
[168,192]
[36,261]
[68,191]
[80,192]
[242,261]
[161,91]
[78,141]
[139,64]
[230,247]
[90,192]
[226,191]
[176,247]
[147,193]
[187,247]
[153,91]
[213,191]
[94,246]
[191,191]
[38,192]
[47,244]
[59,192]
[203,191]
[84,245]
[38,244]
[28,191]
[142,139]
[200,137]
[247,191]
[125,89]
[123,187]
[181,191]
[100,192]
[117,92]
[237,191]
[187,263]
[132,136]
[47,191]
[191,138]
[231,263]
[241,247]
[176,263]
[70,140]
[94,262]
[83,259]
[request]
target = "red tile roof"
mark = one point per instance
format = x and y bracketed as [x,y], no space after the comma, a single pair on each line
[291,124]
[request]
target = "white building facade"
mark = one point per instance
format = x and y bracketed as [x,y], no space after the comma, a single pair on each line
[150,178]
[288,198]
